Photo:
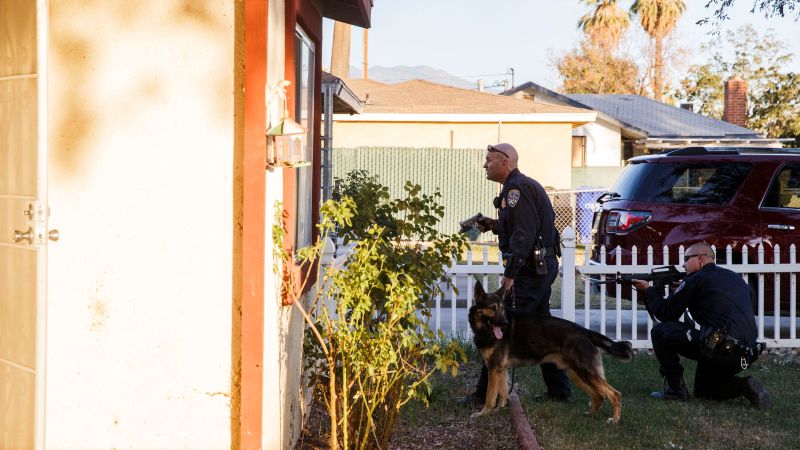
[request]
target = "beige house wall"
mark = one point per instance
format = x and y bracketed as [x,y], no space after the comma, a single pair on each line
[545,148]
[141,164]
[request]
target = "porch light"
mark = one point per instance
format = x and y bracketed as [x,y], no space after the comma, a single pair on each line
[285,140]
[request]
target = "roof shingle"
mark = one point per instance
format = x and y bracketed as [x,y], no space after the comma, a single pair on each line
[660,120]
[424,97]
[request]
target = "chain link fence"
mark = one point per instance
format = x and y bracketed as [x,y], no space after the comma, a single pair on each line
[576,209]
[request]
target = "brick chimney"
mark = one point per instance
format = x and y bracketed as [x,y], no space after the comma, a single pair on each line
[735,101]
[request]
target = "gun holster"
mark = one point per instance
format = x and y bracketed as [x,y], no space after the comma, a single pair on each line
[536,260]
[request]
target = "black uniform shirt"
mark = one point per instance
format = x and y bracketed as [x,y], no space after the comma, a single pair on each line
[715,297]
[524,212]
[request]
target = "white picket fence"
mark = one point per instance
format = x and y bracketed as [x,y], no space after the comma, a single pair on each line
[624,319]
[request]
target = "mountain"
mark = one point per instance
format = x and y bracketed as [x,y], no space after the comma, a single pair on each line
[398,74]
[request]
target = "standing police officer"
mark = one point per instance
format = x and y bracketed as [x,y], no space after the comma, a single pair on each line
[526,222]
[720,301]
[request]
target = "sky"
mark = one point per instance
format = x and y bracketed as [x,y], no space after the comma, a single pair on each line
[484,38]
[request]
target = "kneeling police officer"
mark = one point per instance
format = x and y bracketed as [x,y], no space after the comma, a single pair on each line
[720,301]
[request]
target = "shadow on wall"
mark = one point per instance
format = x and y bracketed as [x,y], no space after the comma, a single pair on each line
[105,73]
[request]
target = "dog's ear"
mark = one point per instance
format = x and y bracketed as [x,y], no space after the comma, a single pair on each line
[479,292]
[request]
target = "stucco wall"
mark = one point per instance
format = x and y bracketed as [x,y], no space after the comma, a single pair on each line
[141,129]
[603,143]
[544,148]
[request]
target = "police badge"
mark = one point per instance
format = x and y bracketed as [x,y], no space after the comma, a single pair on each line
[513,197]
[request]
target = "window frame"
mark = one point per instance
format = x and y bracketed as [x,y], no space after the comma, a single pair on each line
[776,179]
[304,112]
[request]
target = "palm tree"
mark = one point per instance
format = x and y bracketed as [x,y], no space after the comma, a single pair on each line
[658,18]
[605,25]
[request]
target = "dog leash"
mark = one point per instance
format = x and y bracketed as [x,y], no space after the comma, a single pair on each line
[513,310]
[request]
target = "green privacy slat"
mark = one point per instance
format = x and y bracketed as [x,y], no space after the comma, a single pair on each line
[457,173]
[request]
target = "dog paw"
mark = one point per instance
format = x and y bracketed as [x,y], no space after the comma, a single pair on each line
[612,421]
[482,412]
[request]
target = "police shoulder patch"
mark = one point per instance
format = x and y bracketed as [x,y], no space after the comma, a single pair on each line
[513,197]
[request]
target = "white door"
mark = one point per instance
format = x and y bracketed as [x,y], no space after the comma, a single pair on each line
[23,232]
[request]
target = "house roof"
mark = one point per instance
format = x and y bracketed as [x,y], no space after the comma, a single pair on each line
[345,100]
[661,120]
[628,130]
[645,117]
[354,12]
[424,97]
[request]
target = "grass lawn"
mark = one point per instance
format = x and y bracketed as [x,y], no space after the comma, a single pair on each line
[646,423]
[651,423]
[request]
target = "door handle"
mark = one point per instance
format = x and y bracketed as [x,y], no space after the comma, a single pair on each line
[780,226]
[29,212]
[24,236]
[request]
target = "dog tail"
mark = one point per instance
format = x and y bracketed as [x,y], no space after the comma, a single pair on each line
[618,349]
[622,350]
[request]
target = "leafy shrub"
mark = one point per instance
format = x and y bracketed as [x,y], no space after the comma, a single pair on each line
[373,351]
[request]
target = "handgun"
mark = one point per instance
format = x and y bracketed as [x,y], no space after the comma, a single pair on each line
[467,224]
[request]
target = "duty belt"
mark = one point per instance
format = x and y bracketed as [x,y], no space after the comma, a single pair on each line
[749,353]
[550,251]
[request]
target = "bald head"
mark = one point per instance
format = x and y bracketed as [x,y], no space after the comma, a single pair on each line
[506,150]
[701,248]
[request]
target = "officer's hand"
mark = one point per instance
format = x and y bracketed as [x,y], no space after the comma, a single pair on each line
[507,283]
[486,224]
[640,285]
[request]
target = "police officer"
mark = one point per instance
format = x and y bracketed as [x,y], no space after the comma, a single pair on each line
[526,222]
[720,301]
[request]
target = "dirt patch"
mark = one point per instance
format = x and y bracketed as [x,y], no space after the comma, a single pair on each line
[445,424]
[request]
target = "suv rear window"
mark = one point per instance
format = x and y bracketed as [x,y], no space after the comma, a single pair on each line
[688,183]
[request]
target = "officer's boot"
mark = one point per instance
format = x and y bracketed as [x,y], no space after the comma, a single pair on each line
[754,391]
[674,389]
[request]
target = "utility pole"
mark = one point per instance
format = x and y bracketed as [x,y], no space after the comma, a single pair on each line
[366,51]
[511,72]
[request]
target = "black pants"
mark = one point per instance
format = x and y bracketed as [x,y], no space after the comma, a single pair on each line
[715,377]
[531,297]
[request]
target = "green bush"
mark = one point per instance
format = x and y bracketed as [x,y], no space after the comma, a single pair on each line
[374,351]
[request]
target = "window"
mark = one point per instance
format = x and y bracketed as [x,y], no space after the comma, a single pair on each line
[578,151]
[304,115]
[689,183]
[627,150]
[785,189]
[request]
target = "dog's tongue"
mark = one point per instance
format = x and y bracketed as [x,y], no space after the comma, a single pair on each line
[498,333]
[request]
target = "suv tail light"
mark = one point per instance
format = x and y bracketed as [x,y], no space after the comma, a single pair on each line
[622,222]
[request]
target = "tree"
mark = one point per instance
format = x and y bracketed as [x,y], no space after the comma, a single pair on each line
[773,95]
[658,18]
[768,7]
[579,72]
[605,25]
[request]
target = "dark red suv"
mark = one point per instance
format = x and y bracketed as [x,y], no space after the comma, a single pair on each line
[724,196]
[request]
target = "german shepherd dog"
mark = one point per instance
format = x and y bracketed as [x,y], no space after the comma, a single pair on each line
[533,340]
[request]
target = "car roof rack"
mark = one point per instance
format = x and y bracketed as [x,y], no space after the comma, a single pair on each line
[689,151]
